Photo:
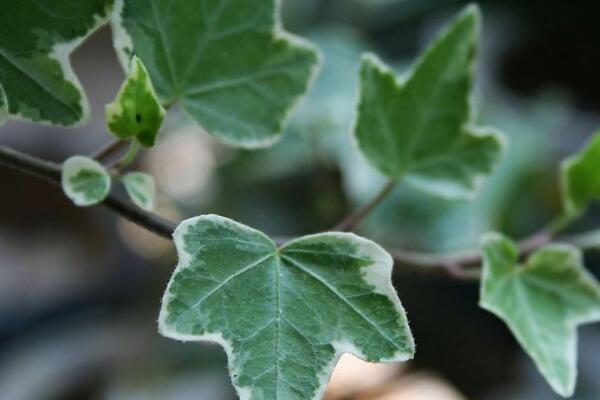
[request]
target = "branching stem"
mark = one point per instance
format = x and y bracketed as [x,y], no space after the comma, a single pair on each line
[461,266]
[51,172]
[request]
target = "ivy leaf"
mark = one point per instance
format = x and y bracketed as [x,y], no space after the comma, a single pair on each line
[542,302]
[422,128]
[85,181]
[36,39]
[284,315]
[136,112]
[581,178]
[141,189]
[227,63]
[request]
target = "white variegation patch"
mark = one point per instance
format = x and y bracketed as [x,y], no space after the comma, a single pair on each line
[85,181]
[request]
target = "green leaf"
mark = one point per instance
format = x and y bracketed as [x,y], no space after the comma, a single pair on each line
[136,112]
[542,302]
[284,315]
[85,181]
[581,177]
[227,62]
[141,189]
[421,128]
[36,39]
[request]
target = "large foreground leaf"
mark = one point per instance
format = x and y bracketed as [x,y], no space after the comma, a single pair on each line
[581,177]
[542,302]
[284,315]
[36,38]
[227,62]
[422,128]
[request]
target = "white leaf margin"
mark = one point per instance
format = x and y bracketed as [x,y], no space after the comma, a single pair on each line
[378,275]
[122,41]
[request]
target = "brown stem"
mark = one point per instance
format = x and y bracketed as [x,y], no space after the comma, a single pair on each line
[353,220]
[51,172]
[109,150]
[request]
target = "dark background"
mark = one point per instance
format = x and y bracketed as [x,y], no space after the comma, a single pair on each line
[80,288]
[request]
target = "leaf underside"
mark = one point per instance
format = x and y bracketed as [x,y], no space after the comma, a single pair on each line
[422,129]
[283,315]
[36,38]
[226,62]
[542,302]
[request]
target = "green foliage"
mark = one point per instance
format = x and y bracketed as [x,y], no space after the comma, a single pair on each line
[284,315]
[85,181]
[227,62]
[136,112]
[542,302]
[581,178]
[141,189]
[36,39]
[421,129]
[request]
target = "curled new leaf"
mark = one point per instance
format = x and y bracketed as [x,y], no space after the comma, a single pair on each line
[542,302]
[141,189]
[85,181]
[284,315]
[581,178]
[421,128]
[227,63]
[136,112]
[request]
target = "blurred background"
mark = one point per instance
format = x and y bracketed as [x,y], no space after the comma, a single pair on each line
[80,289]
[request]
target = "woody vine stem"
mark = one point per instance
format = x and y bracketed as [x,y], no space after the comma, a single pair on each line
[462,266]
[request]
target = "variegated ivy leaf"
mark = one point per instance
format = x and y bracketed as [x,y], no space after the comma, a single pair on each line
[141,189]
[581,178]
[542,302]
[227,63]
[421,128]
[85,181]
[36,38]
[136,112]
[284,315]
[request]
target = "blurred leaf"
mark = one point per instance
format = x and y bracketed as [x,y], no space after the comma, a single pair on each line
[421,129]
[36,39]
[136,112]
[542,302]
[85,181]
[283,315]
[581,178]
[227,62]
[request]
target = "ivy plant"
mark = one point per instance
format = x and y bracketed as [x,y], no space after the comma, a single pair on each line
[285,310]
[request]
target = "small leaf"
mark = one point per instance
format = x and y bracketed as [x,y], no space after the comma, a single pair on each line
[422,128]
[85,181]
[284,315]
[581,178]
[542,302]
[136,112]
[36,39]
[141,189]
[227,63]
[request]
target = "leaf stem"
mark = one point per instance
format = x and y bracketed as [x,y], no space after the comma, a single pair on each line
[51,173]
[353,220]
[109,150]
[129,157]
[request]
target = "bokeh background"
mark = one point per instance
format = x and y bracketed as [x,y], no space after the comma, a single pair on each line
[80,288]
